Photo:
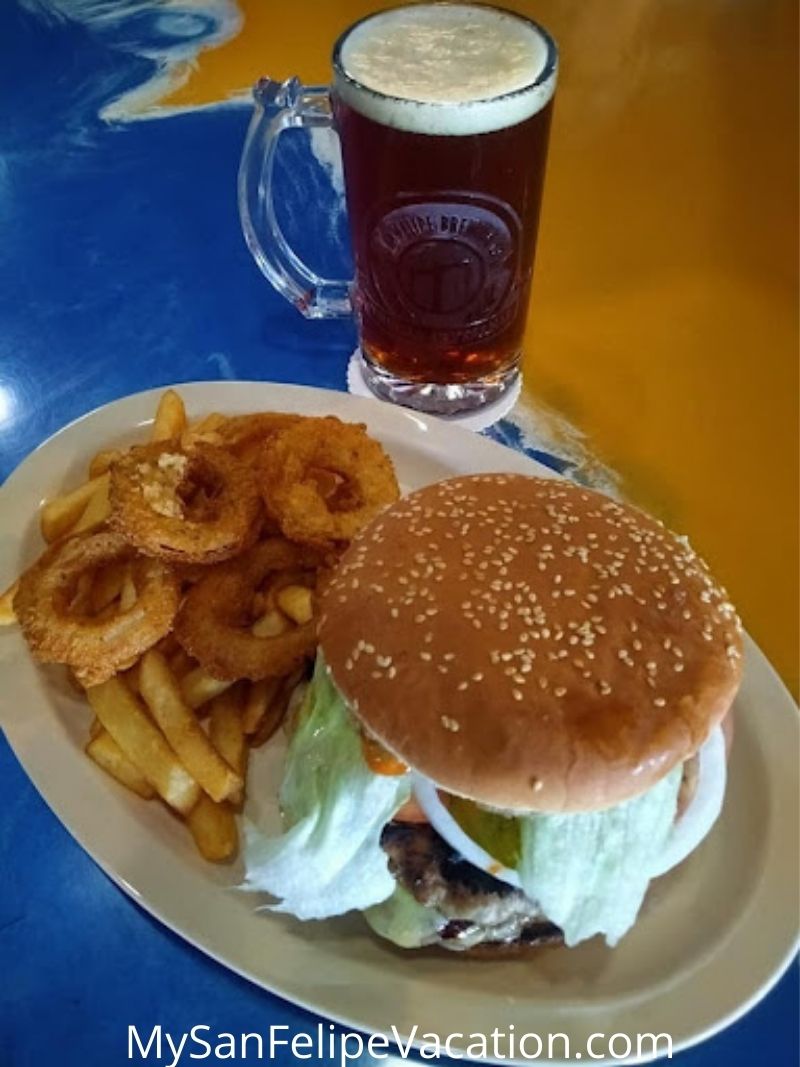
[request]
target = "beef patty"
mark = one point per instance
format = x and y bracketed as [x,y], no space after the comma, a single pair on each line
[476,908]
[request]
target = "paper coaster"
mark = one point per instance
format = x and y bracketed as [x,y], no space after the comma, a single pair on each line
[470,420]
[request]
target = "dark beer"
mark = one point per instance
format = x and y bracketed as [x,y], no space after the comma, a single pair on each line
[444,235]
[444,115]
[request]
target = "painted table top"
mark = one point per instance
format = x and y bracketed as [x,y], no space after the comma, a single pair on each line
[660,356]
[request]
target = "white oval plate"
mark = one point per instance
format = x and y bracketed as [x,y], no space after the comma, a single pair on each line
[713,937]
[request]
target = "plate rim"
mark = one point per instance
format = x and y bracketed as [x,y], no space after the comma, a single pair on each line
[190,391]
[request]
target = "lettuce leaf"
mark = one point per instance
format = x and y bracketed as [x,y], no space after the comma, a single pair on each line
[404,921]
[589,871]
[329,859]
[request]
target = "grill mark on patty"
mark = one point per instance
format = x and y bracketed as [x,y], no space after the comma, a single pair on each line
[427,866]
[470,899]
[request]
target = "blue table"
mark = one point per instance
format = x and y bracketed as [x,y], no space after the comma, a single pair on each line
[122,267]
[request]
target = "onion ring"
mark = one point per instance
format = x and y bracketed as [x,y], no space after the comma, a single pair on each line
[95,648]
[150,505]
[293,494]
[427,796]
[691,827]
[695,823]
[214,619]
[243,435]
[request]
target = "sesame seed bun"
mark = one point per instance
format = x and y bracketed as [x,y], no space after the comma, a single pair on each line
[530,644]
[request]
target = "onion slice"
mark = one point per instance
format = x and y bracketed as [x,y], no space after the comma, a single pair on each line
[446,826]
[704,807]
[687,833]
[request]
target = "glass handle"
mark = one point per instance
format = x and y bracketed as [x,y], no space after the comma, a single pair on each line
[279,107]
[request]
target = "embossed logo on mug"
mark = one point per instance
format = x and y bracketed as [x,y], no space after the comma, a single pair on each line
[446,264]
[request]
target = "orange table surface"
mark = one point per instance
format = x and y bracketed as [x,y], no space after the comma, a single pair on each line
[664,319]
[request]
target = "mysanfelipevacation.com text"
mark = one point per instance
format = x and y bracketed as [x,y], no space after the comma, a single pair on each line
[327,1044]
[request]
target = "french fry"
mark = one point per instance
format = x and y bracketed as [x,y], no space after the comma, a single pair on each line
[198,687]
[294,697]
[276,712]
[106,753]
[327,482]
[81,602]
[107,586]
[62,512]
[170,420]
[180,663]
[259,697]
[131,677]
[187,737]
[270,625]
[127,596]
[205,429]
[227,735]
[213,827]
[95,728]
[143,743]
[268,724]
[211,422]
[97,509]
[296,602]
[7,614]
[102,461]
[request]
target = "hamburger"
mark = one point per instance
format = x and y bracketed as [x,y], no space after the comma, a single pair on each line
[514,724]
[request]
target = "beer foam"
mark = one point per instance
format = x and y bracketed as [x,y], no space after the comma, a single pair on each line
[446,69]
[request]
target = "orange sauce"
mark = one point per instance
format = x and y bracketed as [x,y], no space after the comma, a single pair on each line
[379,760]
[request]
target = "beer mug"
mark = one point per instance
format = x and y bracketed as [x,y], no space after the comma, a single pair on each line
[443,113]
